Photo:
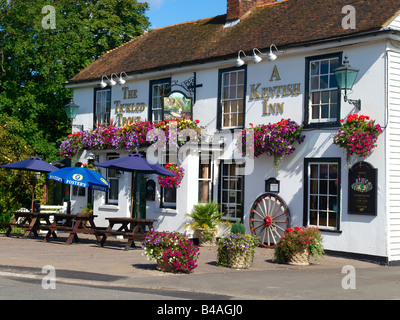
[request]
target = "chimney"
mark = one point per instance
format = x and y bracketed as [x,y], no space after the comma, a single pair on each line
[237,8]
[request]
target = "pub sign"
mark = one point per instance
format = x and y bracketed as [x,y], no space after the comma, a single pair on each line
[362,189]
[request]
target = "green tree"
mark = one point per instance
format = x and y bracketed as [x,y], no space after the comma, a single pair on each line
[15,185]
[36,60]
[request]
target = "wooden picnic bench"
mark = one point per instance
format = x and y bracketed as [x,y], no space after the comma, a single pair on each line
[131,229]
[72,224]
[29,222]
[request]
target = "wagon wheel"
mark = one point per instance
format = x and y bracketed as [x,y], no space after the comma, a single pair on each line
[269,218]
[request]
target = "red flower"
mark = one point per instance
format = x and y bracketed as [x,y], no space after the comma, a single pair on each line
[197,121]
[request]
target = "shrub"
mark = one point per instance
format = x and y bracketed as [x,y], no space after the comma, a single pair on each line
[238,228]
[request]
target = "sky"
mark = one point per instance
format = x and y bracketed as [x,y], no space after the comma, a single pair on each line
[164,13]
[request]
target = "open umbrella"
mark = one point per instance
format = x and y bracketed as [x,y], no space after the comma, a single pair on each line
[135,163]
[34,164]
[81,177]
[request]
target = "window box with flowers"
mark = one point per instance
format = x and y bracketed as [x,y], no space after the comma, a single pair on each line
[358,135]
[297,245]
[275,140]
[171,181]
[131,136]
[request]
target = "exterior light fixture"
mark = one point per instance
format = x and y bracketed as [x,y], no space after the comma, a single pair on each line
[120,80]
[112,81]
[71,109]
[345,77]
[256,58]
[270,56]
[240,62]
[103,84]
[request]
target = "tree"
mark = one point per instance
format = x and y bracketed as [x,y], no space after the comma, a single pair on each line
[36,59]
[15,185]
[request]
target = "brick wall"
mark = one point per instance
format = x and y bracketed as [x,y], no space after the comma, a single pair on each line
[237,8]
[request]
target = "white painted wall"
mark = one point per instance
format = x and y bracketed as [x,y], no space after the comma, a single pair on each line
[358,234]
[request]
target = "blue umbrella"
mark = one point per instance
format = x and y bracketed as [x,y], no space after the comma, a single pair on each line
[32,164]
[35,164]
[135,162]
[80,177]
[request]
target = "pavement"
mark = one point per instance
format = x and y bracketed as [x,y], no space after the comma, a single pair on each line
[85,263]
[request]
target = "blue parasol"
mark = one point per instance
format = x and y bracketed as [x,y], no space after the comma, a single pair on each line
[35,164]
[80,177]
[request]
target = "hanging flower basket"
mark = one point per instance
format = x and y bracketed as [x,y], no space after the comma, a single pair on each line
[358,135]
[171,181]
[276,140]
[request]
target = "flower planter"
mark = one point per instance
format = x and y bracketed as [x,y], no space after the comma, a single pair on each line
[300,257]
[204,237]
[240,259]
[163,266]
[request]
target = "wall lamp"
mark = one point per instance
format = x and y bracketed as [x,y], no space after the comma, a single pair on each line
[346,76]
[270,56]
[256,57]
[240,62]
[120,80]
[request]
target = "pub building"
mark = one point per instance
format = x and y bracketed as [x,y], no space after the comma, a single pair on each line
[263,62]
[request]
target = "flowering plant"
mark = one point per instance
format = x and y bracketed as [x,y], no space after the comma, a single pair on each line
[174,247]
[171,181]
[358,135]
[236,245]
[90,166]
[275,140]
[130,137]
[299,237]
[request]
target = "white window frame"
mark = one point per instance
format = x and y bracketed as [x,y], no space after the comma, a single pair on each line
[103,106]
[323,92]
[112,178]
[315,192]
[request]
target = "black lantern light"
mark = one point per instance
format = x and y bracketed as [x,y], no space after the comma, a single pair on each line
[345,77]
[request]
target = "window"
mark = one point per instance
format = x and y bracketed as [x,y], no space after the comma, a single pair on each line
[232,98]
[322,177]
[205,177]
[102,106]
[112,177]
[158,90]
[231,186]
[168,195]
[323,96]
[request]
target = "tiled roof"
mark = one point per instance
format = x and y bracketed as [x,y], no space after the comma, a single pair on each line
[283,23]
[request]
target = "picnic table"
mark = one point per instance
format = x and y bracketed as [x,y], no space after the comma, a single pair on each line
[131,229]
[72,224]
[28,221]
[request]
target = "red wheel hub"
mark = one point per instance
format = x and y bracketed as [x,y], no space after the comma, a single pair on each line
[268,221]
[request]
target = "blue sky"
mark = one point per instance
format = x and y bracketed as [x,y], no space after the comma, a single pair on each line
[164,13]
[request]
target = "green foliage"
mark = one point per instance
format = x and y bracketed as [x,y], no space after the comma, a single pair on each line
[15,186]
[299,237]
[35,62]
[205,215]
[238,228]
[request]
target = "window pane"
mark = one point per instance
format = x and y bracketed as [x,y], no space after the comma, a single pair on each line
[315,112]
[314,187]
[325,111]
[325,67]
[314,170]
[323,187]
[315,83]
[314,68]
[323,83]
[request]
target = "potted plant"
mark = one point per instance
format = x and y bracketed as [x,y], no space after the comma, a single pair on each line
[171,181]
[358,135]
[298,244]
[204,219]
[173,251]
[236,250]
[276,140]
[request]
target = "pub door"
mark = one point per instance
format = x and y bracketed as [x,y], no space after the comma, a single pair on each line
[139,204]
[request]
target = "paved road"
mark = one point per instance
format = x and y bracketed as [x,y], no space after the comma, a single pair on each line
[91,272]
